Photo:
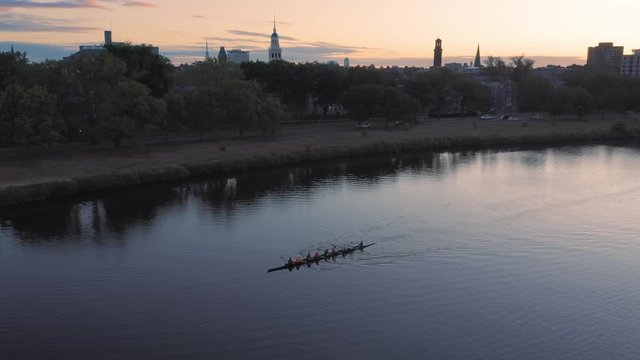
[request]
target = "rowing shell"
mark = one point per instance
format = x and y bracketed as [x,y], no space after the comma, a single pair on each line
[315,260]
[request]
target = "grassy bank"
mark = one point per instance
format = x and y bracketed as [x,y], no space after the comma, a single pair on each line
[14,195]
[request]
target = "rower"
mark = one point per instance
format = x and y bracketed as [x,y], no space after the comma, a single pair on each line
[290,262]
[316,255]
[308,256]
[361,245]
[298,260]
[326,252]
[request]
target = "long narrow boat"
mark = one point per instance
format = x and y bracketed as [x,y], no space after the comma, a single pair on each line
[322,257]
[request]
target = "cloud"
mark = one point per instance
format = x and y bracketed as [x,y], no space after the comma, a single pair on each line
[256,34]
[7,5]
[236,41]
[197,16]
[70,4]
[27,23]
[143,4]
[349,48]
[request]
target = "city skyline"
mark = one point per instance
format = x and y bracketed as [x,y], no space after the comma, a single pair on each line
[401,33]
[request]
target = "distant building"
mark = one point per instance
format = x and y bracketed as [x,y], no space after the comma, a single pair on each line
[108,38]
[631,64]
[237,56]
[275,52]
[222,55]
[456,67]
[437,54]
[503,94]
[347,63]
[605,56]
[108,41]
[553,73]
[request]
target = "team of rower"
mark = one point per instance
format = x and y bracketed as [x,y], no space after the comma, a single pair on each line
[326,254]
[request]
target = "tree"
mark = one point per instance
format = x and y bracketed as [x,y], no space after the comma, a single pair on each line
[177,114]
[421,89]
[364,75]
[304,83]
[271,114]
[29,116]
[441,81]
[245,107]
[144,65]
[12,67]
[534,93]
[93,78]
[495,68]
[277,77]
[397,105]
[474,97]
[208,73]
[130,110]
[520,67]
[329,85]
[200,85]
[610,92]
[571,100]
[364,101]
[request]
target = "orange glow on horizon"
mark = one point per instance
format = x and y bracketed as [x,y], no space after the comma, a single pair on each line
[364,31]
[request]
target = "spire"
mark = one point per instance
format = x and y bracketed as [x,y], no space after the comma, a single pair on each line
[13,52]
[478,62]
[206,51]
[274,24]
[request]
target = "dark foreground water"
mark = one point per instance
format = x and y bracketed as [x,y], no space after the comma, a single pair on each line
[484,255]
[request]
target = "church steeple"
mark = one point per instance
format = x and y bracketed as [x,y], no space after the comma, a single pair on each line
[13,52]
[478,62]
[206,51]
[275,53]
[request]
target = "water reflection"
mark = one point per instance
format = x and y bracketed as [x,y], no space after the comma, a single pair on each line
[117,211]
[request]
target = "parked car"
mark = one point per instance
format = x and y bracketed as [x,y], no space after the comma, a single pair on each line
[363,125]
[537,117]
[509,117]
[487,117]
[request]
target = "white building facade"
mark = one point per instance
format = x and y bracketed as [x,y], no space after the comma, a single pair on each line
[631,64]
[237,56]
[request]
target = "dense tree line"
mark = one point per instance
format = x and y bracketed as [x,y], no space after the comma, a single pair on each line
[579,91]
[367,91]
[129,91]
[125,92]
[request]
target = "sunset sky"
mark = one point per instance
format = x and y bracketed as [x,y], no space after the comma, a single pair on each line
[400,32]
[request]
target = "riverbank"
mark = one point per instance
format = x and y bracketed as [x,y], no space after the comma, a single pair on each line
[36,178]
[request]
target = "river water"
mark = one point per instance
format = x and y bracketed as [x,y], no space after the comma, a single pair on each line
[524,254]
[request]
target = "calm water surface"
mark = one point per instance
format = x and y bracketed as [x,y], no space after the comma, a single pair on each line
[483,255]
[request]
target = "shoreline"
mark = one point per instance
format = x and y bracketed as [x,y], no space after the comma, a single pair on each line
[297,153]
